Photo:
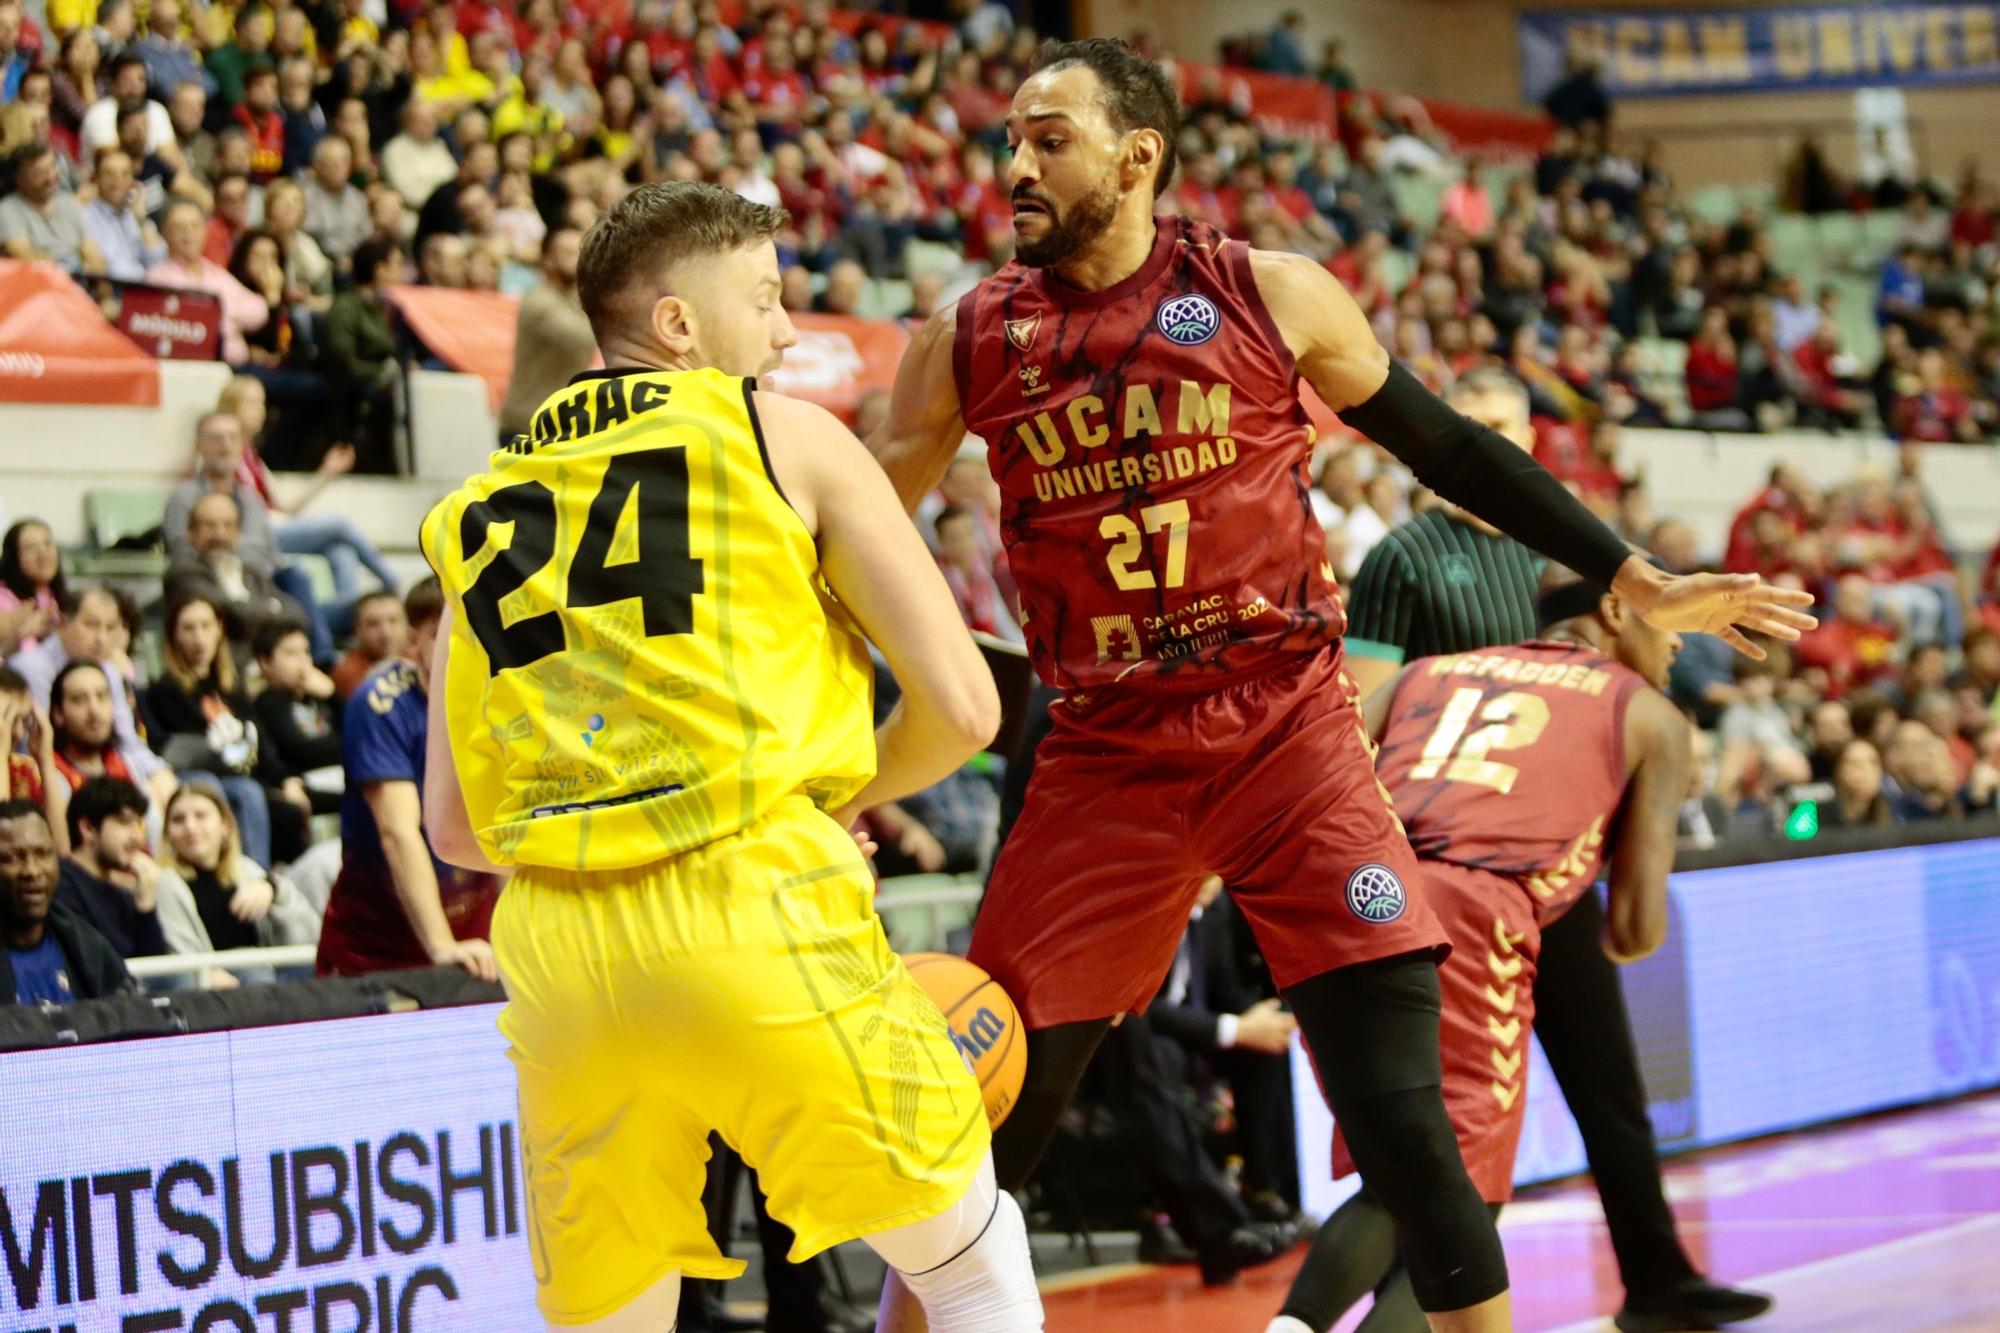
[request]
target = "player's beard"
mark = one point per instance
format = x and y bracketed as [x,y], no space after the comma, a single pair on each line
[1070,231]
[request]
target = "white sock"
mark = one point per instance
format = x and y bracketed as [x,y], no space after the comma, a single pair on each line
[1284,1323]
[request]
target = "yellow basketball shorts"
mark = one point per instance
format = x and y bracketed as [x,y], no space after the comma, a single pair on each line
[744,988]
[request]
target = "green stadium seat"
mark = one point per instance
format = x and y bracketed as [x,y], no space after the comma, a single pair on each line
[1663,373]
[1418,198]
[1715,203]
[909,926]
[114,514]
[886,298]
[1879,231]
[1837,233]
[1397,268]
[932,257]
[319,572]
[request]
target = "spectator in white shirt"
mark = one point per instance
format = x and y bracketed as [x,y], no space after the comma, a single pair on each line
[1796,318]
[100,123]
[116,220]
[1341,504]
[416,162]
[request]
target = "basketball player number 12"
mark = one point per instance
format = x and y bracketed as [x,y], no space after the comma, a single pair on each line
[1131,546]
[663,575]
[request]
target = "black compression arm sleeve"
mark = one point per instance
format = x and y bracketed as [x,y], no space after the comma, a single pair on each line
[1483,472]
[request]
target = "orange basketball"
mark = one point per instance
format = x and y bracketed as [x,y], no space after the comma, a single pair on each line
[985,1026]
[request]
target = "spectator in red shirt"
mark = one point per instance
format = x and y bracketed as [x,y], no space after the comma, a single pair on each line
[1977,217]
[1359,268]
[1937,412]
[1468,203]
[778,93]
[482,16]
[1788,495]
[1851,648]
[1831,399]
[230,221]
[1714,387]
[261,120]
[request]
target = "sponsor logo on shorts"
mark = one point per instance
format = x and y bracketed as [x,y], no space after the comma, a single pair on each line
[1189,320]
[1375,894]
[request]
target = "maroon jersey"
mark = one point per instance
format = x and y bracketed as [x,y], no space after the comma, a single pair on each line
[1152,459]
[1512,760]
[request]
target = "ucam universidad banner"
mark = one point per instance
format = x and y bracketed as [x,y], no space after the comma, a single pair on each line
[1665,53]
[364,1174]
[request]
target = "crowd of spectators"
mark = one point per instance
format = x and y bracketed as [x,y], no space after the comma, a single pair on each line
[183,799]
[285,157]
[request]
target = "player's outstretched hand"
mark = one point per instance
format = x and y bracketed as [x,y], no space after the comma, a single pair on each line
[1729,606]
[475,956]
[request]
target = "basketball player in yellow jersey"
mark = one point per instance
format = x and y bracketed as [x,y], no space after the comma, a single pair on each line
[655,710]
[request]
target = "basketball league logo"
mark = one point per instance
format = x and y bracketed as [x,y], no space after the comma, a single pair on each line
[1021,332]
[1189,320]
[1375,894]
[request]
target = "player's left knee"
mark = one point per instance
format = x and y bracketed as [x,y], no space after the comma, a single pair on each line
[970,1266]
[1403,1144]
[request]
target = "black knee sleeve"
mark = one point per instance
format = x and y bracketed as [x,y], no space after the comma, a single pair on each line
[1373,1033]
[1403,1146]
[1351,1256]
[1057,1057]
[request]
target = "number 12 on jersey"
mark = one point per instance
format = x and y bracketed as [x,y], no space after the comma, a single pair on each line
[1131,546]
[1514,720]
[660,572]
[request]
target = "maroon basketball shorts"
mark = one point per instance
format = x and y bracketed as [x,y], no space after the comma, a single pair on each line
[1140,794]
[1488,986]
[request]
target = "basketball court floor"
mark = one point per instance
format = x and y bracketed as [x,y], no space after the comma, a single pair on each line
[1889,1225]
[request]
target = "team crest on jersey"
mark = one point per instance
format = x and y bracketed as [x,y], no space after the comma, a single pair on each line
[1375,894]
[1189,320]
[1021,332]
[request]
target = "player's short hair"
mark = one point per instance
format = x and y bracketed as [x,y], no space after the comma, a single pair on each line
[1137,92]
[629,250]
[1564,595]
[424,603]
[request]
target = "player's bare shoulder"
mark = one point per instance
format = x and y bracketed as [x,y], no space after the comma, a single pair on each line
[806,445]
[1336,348]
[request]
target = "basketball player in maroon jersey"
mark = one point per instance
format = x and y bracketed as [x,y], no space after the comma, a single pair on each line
[1137,383]
[1515,771]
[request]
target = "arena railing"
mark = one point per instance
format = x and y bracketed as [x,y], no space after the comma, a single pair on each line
[277,957]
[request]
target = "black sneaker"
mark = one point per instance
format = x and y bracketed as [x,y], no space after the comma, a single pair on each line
[1249,1245]
[1159,1243]
[1695,1303]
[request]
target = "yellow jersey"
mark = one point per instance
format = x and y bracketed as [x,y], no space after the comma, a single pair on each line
[646,656]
